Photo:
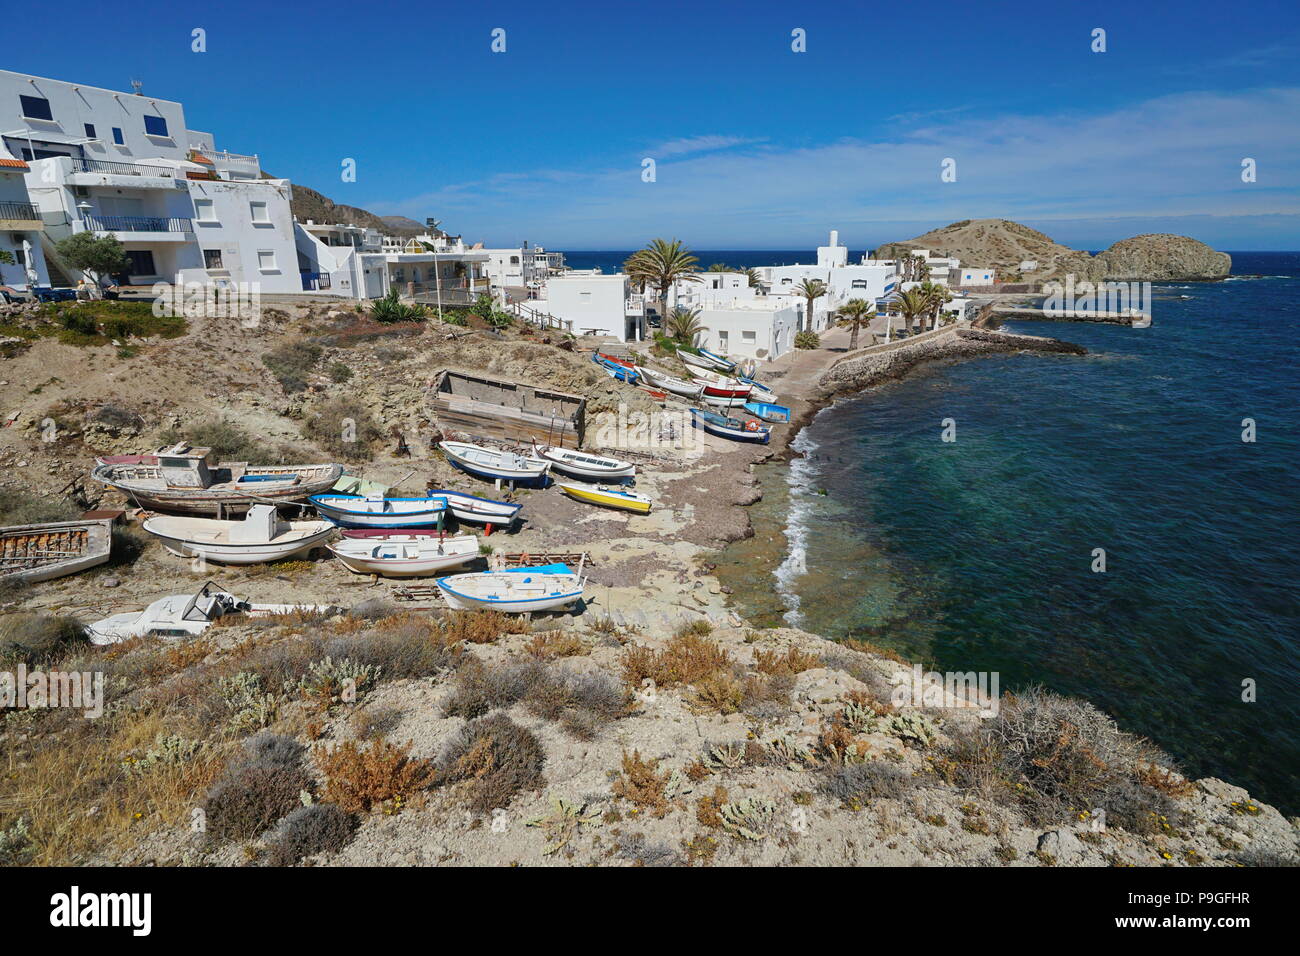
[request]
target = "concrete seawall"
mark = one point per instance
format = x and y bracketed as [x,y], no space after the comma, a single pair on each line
[882,363]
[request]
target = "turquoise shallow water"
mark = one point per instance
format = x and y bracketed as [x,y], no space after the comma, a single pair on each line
[978,554]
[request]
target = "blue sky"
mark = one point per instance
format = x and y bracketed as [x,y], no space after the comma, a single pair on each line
[755,146]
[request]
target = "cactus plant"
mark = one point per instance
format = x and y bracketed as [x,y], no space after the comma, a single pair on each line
[747,818]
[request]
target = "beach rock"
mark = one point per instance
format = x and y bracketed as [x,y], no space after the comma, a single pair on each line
[1161,257]
[1061,845]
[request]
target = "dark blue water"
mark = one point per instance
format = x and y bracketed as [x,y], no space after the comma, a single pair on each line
[978,554]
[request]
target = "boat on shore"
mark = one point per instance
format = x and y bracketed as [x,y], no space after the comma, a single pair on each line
[517,591]
[606,497]
[42,552]
[709,361]
[670,383]
[495,465]
[183,479]
[758,391]
[186,615]
[768,412]
[621,372]
[361,511]
[260,536]
[718,386]
[732,429]
[581,464]
[478,510]
[404,555]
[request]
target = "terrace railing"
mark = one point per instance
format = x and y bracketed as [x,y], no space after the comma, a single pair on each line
[121,169]
[19,210]
[138,224]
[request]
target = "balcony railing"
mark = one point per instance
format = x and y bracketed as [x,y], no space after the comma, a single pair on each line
[120,169]
[138,224]
[19,210]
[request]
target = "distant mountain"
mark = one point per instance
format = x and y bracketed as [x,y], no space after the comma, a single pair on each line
[307,204]
[1004,245]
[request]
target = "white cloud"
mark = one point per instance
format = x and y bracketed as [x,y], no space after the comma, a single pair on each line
[699,144]
[1172,156]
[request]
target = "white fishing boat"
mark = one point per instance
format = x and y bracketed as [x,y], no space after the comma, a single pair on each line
[670,383]
[581,464]
[404,555]
[725,386]
[732,429]
[362,511]
[706,360]
[185,615]
[262,535]
[478,510]
[40,552]
[495,464]
[721,402]
[518,591]
[183,479]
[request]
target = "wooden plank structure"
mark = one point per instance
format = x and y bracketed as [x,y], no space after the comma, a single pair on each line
[507,411]
[39,552]
[526,559]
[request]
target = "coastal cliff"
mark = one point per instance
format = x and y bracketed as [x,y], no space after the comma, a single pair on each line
[1004,245]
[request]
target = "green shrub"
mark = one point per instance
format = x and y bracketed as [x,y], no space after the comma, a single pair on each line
[315,828]
[392,309]
[228,441]
[344,428]
[339,372]
[292,362]
[807,339]
[21,507]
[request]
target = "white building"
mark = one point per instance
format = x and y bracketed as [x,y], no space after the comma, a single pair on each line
[127,165]
[749,326]
[20,230]
[870,279]
[977,278]
[523,268]
[594,304]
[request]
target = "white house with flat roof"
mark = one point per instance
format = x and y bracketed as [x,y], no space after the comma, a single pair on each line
[20,230]
[748,326]
[594,304]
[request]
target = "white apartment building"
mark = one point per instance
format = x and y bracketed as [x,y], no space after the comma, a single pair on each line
[870,280]
[127,165]
[355,262]
[749,326]
[523,268]
[20,230]
[594,304]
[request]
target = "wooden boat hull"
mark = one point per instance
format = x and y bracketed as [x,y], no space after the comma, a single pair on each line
[606,497]
[760,436]
[238,554]
[341,510]
[582,465]
[494,466]
[404,556]
[530,593]
[478,510]
[42,552]
[132,480]
[671,384]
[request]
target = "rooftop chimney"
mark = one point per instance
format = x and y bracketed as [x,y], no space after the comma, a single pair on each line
[835,237]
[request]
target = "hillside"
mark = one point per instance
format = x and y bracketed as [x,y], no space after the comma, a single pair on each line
[309,204]
[1004,244]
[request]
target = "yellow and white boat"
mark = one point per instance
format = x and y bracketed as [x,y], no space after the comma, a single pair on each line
[606,497]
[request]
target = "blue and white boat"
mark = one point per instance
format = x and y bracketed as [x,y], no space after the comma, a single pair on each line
[517,591]
[360,511]
[732,429]
[622,373]
[758,391]
[496,465]
[478,510]
[768,411]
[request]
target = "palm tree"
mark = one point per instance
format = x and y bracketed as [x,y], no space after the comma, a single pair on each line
[911,304]
[855,313]
[684,325]
[719,267]
[935,296]
[637,271]
[663,263]
[754,281]
[811,290]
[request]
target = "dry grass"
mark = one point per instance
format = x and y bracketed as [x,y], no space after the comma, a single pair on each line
[687,658]
[361,778]
[641,785]
[493,759]
[551,645]
[481,627]
[793,661]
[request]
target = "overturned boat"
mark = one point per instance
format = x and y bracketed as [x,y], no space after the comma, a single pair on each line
[186,615]
[404,555]
[518,591]
[183,479]
[41,552]
[261,535]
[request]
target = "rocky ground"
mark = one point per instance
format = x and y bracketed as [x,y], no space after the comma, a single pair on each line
[654,728]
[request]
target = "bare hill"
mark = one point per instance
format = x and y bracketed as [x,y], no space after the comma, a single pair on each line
[1004,244]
